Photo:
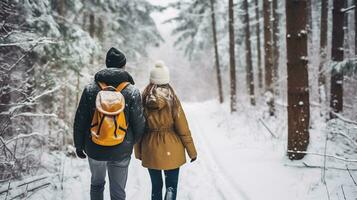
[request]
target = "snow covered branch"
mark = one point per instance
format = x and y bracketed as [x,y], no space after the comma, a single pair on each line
[34,42]
[28,114]
[343,118]
[21,58]
[306,165]
[46,93]
[22,136]
[344,10]
[327,155]
[348,138]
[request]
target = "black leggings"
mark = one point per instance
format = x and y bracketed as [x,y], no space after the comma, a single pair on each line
[171,180]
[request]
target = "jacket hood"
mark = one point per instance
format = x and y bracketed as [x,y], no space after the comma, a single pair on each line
[113,76]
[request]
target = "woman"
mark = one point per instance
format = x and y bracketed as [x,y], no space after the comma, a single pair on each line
[167,136]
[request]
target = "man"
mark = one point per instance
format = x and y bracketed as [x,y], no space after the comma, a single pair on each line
[116,158]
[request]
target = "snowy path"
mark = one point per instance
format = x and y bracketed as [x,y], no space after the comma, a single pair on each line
[202,179]
[237,160]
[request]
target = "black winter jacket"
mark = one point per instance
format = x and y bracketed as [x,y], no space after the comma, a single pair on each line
[86,108]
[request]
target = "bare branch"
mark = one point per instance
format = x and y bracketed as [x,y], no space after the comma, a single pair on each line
[324,169]
[343,192]
[271,132]
[328,193]
[349,172]
[7,148]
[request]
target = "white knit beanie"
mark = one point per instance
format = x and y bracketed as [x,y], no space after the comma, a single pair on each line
[160,73]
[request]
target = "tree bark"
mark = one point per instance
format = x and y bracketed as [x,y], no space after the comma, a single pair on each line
[309,20]
[298,86]
[346,45]
[91,25]
[355,27]
[100,29]
[61,7]
[275,42]
[259,59]
[232,62]
[248,55]
[268,57]
[336,99]
[323,51]
[218,68]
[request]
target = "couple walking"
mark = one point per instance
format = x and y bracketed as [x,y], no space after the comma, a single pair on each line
[112,118]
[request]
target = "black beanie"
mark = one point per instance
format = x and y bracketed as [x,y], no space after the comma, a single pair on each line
[115,58]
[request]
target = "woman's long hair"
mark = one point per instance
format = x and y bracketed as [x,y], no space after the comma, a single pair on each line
[172,99]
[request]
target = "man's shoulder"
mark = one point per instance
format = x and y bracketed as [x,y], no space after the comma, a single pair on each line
[132,90]
[91,88]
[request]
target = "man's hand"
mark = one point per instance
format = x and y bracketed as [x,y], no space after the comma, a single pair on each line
[80,154]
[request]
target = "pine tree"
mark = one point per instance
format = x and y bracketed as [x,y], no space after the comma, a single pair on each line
[191,26]
[195,21]
[298,86]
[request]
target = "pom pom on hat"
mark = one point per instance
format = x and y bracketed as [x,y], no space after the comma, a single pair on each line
[160,73]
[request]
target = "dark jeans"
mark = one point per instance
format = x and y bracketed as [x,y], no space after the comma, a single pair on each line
[171,180]
[118,173]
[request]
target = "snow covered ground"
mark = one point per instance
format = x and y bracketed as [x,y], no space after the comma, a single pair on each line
[237,159]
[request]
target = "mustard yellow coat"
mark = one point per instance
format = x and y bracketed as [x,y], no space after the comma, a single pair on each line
[168,135]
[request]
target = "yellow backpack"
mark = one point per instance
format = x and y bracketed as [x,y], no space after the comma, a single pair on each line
[108,127]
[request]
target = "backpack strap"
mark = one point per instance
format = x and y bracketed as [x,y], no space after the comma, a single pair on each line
[102,85]
[121,86]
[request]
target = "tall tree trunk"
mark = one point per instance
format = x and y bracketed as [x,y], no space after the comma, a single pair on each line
[218,68]
[309,20]
[248,55]
[268,57]
[100,29]
[78,92]
[61,7]
[346,45]
[232,61]
[91,25]
[298,86]
[92,31]
[275,42]
[259,59]
[323,51]
[336,100]
[355,27]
